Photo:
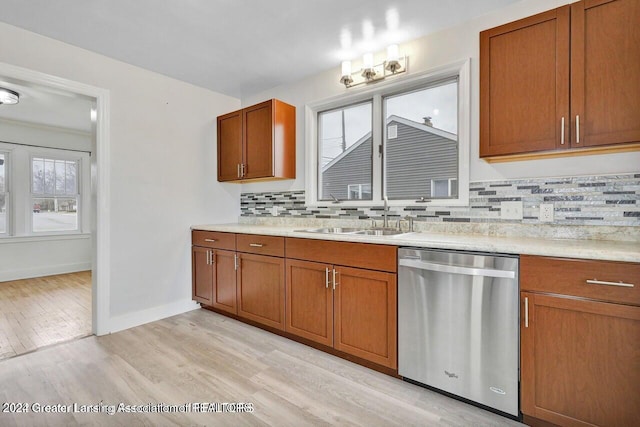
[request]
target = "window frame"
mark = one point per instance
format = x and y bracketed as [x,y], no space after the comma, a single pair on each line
[6,152]
[317,147]
[54,154]
[377,93]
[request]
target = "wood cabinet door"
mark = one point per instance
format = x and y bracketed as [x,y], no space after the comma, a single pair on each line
[309,311]
[605,72]
[229,146]
[365,320]
[258,140]
[261,289]
[524,85]
[224,281]
[201,275]
[580,361]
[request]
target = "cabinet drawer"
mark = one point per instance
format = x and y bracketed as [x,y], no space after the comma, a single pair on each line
[362,255]
[214,239]
[261,245]
[570,277]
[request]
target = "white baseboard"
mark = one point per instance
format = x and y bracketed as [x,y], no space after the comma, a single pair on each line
[130,320]
[45,270]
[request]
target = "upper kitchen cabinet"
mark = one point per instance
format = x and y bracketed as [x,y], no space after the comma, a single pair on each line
[257,143]
[562,82]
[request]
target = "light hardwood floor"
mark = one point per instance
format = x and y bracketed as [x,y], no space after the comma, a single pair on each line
[201,356]
[38,312]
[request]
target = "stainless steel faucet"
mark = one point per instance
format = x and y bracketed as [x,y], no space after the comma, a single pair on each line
[385,223]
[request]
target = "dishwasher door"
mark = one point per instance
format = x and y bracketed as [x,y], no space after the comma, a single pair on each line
[458,324]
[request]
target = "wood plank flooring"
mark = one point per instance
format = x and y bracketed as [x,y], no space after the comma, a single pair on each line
[38,312]
[201,356]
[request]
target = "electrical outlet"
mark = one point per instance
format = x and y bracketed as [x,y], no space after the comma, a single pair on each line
[546,212]
[274,211]
[511,210]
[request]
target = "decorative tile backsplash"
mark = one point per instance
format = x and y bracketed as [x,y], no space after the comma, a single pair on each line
[611,200]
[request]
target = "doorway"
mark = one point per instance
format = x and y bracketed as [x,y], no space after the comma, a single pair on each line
[49,221]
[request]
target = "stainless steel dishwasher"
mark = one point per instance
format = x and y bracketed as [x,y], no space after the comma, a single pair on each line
[458,324]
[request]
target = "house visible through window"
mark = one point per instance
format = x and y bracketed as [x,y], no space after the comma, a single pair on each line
[421,144]
[345,147]
[407,141]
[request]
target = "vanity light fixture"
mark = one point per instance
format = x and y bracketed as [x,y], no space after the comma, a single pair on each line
[8,96]
[370,72]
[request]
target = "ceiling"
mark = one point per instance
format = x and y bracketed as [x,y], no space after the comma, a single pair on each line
[238,47]
[46,106]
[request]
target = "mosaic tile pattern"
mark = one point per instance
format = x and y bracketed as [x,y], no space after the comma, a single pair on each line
[611,200]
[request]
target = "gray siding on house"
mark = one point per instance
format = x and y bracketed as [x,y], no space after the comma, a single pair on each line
[416,157]
[353,168]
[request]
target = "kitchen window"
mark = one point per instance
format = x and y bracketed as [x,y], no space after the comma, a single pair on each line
[42,191]
[404,140]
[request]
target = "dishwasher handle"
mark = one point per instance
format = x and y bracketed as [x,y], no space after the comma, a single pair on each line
[456,269]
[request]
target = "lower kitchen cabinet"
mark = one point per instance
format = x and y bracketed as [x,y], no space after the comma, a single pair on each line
[224,281]
[350,309]
[261,289]
[309,305]
[580,350]
[213,276]
[202,276]
[365,321]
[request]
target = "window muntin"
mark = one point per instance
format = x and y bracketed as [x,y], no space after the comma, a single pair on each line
[4,193]
[421,141]
[345,146]
[54,191]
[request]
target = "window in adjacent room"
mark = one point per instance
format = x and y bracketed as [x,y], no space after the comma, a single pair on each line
[4,193]
[54,195]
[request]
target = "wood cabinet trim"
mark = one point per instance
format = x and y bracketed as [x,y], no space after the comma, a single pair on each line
[270,245]
[567,276]
[361,255]
[214,239]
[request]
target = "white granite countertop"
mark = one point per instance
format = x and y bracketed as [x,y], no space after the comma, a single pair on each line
[565,248]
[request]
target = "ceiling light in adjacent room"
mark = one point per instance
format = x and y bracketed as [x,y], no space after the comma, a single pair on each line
[9,97]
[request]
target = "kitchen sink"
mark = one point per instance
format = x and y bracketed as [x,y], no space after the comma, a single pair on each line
[379,232]
[351,230]
[333,230]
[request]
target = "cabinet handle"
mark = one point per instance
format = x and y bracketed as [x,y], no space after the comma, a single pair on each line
[235,261]
[212,257]
[210,240]
[335,283]
[600,282]
[526,312]
[577,129]
[238,170]
[207,257]
[256,245]
[326,277]
[562,131]
[241,170]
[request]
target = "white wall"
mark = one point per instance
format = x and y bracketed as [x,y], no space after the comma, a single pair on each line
[426,53]
[162,173]
[44,136]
